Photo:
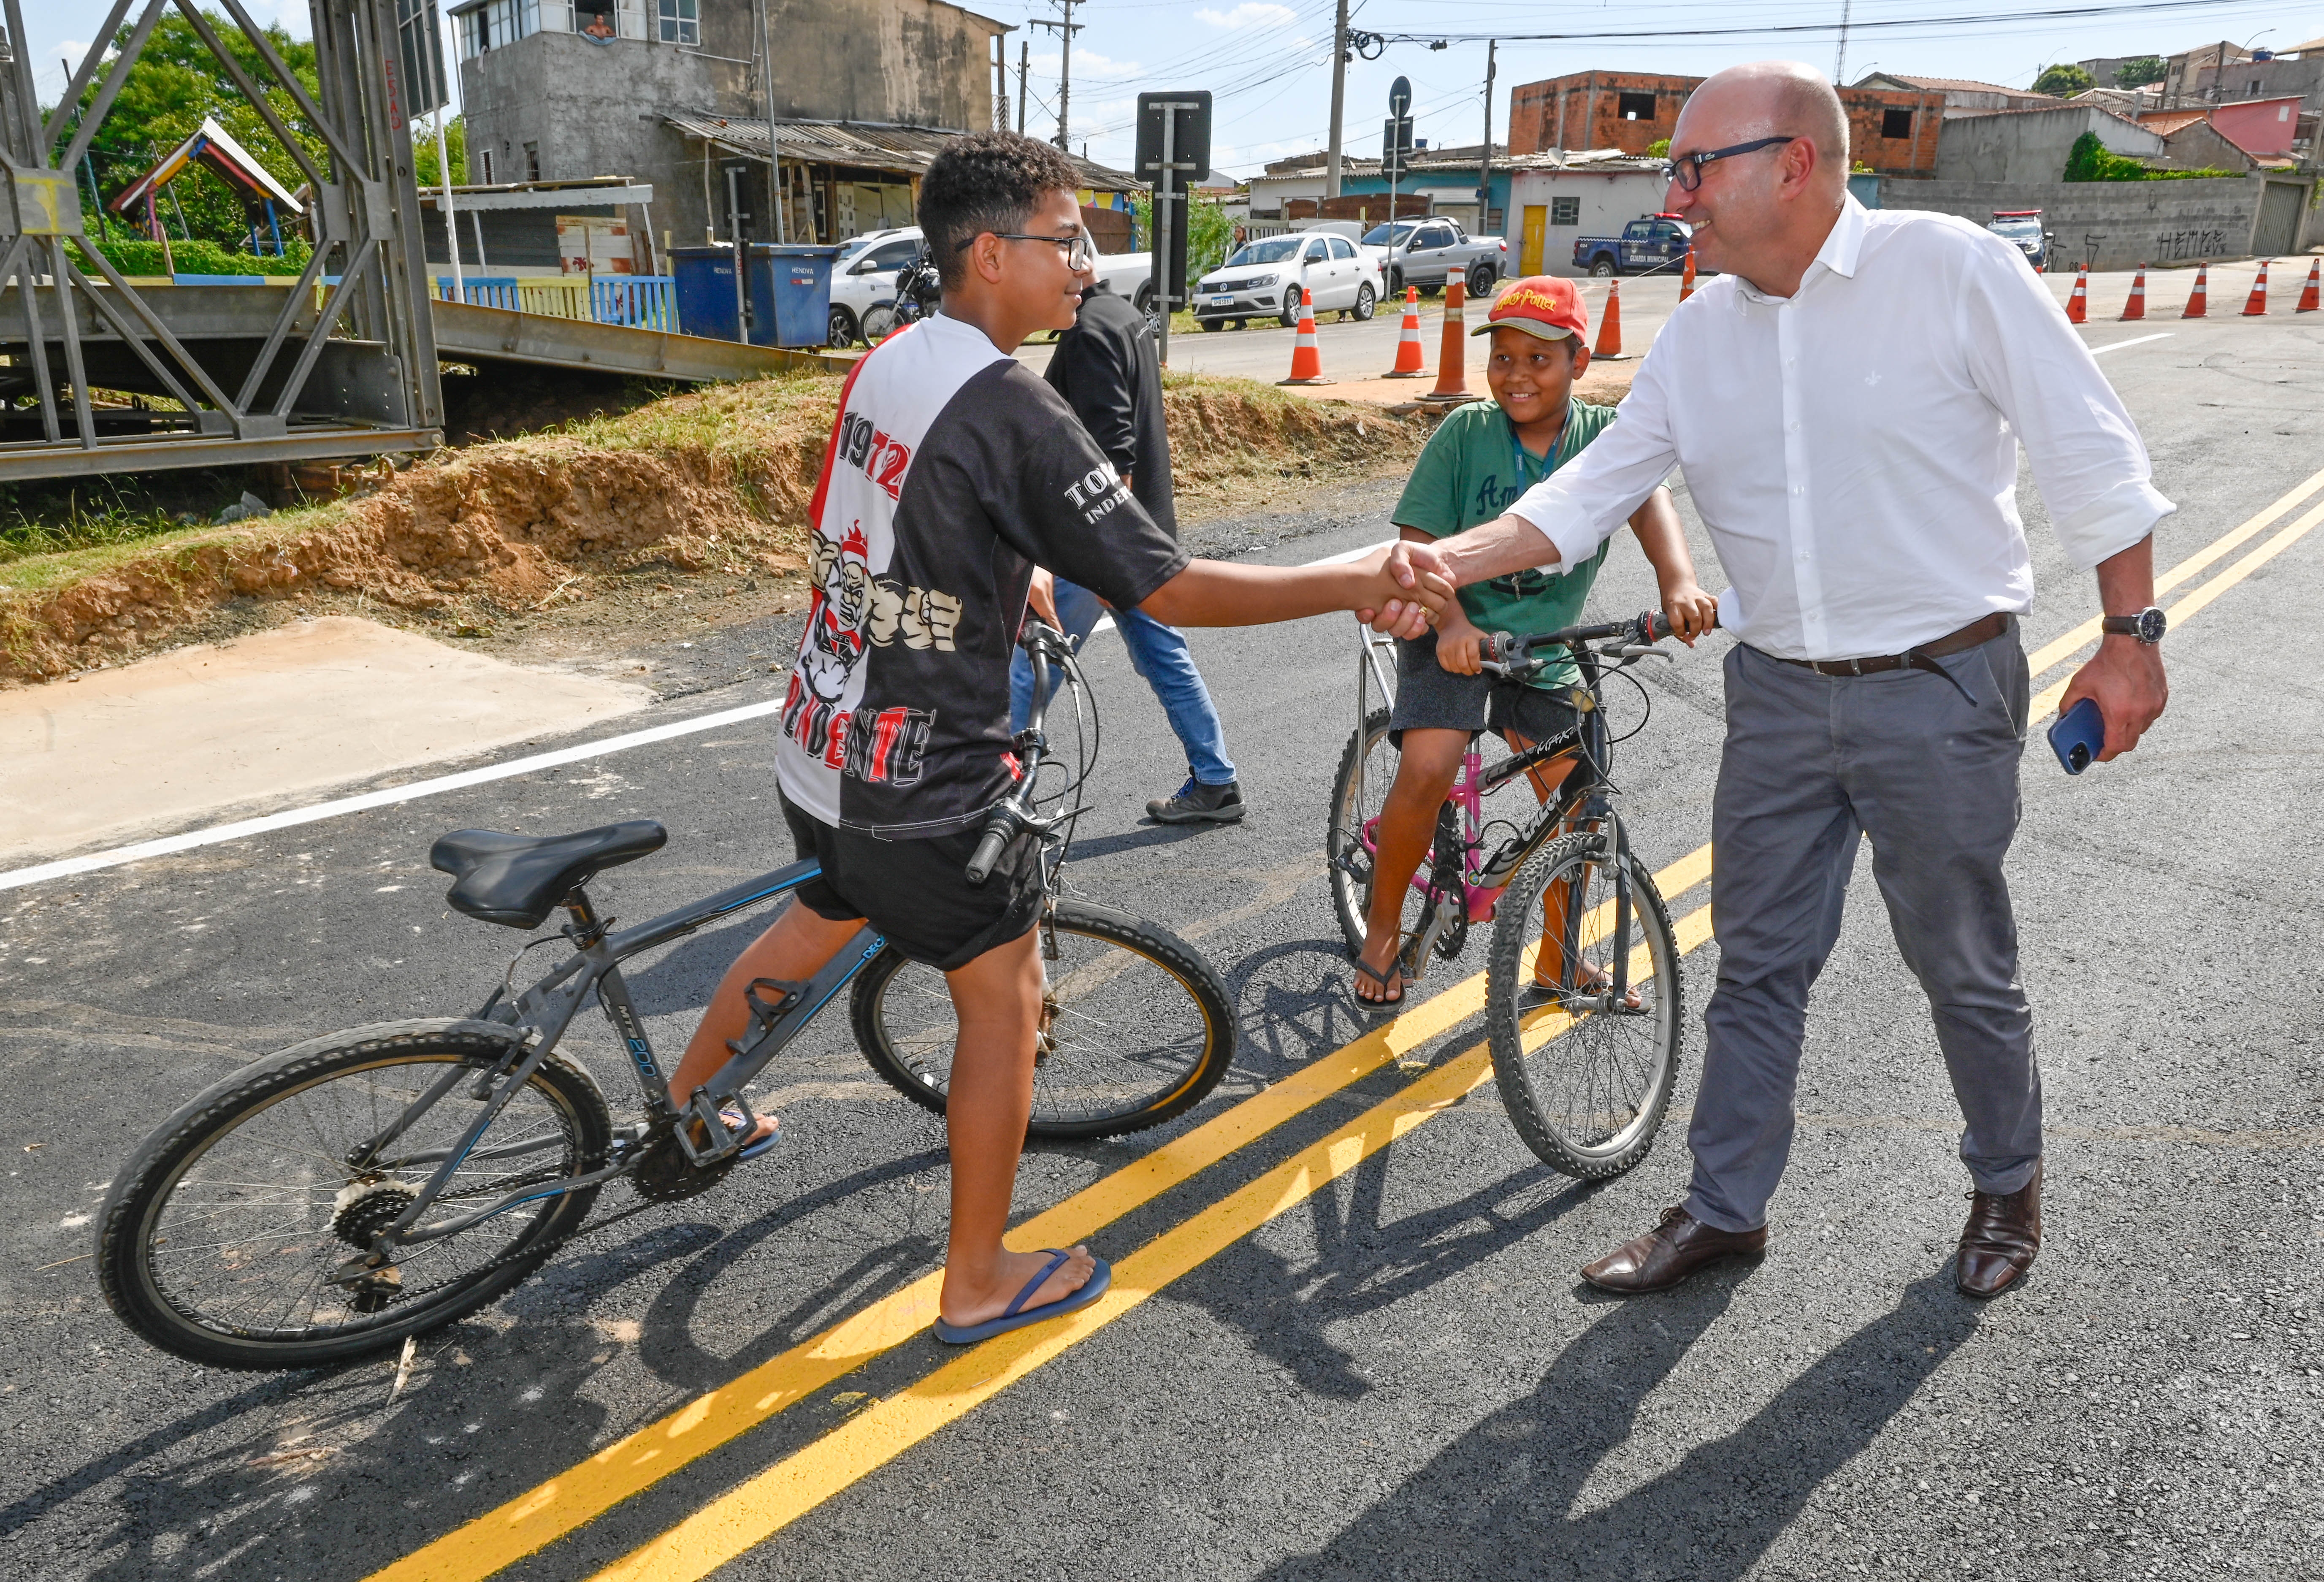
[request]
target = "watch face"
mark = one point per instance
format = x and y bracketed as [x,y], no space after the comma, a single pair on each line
[2151,624]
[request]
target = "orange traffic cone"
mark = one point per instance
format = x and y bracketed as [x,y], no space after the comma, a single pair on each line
[1306,361]
[2197,303]
[1686,277]
[1410,363]
[2077,306]
[1609,330]
[1453,354]
[2308,292]
[2137,307]
[2256,305]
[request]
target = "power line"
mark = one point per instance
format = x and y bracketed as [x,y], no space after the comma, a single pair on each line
[1979,19]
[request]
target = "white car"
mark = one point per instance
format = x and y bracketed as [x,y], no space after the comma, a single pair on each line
[1256,281]
[864,281]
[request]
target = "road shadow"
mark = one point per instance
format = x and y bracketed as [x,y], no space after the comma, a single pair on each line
[1506,1498]
[1365,1263]
[315,1475]
[1144,833]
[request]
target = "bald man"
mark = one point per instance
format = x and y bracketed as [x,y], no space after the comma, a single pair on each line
[1846,403]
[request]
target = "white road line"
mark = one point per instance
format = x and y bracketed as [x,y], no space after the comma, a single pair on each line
[242,829]
[2135,341]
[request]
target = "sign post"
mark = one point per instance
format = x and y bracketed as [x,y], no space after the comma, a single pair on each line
[1173,152]
[1395,150]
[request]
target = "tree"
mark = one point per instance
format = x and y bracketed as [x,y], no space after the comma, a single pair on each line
[175,82]
[423,153]
[2138,73]
[1210,234]
[2062,81]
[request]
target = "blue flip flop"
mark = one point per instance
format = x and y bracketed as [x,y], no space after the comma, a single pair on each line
[733,1119]
[1016,1315]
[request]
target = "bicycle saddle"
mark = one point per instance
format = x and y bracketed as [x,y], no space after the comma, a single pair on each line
[519,879]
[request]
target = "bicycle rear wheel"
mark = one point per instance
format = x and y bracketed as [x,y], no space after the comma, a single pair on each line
[1136,1028]
[1358,791]
[221,1237]
[1585,1080]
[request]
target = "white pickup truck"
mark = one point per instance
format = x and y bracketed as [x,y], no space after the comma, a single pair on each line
[864,281]
[1428,252]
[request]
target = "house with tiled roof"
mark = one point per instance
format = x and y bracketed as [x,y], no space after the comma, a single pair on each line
[1962,95]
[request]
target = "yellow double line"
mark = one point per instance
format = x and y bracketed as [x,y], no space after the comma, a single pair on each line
[748,1514]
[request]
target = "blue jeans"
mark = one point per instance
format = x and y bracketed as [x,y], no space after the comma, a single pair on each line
[1160,653]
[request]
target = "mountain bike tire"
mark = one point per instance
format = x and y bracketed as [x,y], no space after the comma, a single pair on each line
[1138,1028]
[166,1184]
[1590,1095]
[1345,858]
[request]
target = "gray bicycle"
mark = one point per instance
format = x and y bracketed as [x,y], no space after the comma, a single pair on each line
[326,1201]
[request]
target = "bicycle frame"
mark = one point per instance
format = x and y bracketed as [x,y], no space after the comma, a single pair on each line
[1580,799]
[539,1016]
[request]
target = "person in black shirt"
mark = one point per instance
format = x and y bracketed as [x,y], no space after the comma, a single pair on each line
[1106,368]
[951,473]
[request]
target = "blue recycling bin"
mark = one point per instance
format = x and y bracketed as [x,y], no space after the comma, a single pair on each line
[789,292]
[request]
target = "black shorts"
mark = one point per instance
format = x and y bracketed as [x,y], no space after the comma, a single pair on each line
[1429,697]
[917,892]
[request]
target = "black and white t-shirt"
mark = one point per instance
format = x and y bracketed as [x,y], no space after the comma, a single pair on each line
[952,470]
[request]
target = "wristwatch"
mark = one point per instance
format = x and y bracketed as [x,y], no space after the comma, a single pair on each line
[2148,626]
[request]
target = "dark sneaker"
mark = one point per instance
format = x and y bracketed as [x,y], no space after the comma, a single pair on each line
[1197,804]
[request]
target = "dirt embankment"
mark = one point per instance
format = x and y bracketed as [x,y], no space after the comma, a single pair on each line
[717,481]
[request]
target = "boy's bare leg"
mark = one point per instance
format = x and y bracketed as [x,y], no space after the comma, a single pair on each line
[1426,767]
[997,999]
[1549,962]
[794,948]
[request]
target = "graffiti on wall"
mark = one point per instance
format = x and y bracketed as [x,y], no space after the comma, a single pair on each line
[2177,244]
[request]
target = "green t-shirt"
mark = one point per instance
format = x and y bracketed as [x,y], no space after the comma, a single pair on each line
[1472,470]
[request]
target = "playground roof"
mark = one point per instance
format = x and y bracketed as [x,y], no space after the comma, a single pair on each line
[214,146]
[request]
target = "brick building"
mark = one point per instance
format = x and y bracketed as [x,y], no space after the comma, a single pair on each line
[1894,131]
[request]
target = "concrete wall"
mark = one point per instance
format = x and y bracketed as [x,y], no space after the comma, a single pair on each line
[2115,224]
[1606,202]
[2031,145]
[2198,146]
[2202,83]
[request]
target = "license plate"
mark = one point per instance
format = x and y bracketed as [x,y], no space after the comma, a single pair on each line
[1222,301]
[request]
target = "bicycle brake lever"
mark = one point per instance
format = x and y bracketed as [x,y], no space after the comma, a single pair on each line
[1643,651]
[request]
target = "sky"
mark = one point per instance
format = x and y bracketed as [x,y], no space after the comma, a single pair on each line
[1268,61]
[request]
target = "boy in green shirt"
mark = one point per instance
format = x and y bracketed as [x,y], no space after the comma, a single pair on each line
[1481,458]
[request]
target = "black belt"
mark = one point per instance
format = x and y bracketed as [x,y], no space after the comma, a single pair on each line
[1981,630]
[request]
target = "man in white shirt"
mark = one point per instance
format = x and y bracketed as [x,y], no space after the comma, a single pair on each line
[1847,402]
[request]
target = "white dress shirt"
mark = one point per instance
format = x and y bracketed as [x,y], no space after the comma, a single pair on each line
[1853,448]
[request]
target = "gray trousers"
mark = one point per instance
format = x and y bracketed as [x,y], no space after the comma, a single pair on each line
[1928,770]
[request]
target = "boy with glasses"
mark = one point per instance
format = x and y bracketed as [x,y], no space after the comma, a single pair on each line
[951,472]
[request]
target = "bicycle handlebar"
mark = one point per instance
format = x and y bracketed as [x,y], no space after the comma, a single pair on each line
[1042,643]
[1647,628]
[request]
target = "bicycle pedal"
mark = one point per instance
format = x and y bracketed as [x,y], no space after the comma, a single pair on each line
[719,1141]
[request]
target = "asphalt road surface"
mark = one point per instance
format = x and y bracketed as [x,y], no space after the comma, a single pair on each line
[1363,1351]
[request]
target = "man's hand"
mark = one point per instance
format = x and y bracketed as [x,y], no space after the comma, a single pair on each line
[2125,676]
[1692,611]
[1043,597]
[1460,647]
[1405,565]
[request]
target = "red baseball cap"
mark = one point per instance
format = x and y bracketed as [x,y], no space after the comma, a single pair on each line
[1542,306]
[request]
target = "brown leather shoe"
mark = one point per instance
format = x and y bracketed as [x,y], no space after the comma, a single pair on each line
[1998,1243]
[1677,1245]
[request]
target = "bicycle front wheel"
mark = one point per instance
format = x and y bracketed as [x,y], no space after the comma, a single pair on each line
[1360,790]
[1586,1075]
[1135,1027]
[227,1237]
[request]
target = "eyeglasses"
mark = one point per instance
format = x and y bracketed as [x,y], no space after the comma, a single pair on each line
[1687,168]
[1078,252]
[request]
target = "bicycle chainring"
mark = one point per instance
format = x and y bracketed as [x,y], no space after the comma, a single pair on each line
[664,1174]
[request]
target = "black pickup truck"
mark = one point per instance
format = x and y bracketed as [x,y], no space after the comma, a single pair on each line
[1646,244]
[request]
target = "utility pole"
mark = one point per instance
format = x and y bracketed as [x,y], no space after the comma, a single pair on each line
[1065,30]
[1840,60]
[1339,100]
[1024,65]
[774,149]
[1001,82]
[1485,162]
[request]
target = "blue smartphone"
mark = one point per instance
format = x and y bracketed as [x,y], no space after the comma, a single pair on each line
[2079,736]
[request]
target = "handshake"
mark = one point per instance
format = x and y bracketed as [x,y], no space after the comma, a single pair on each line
[1410,589]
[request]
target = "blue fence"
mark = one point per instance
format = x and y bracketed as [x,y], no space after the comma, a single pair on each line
[637,301]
